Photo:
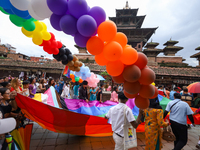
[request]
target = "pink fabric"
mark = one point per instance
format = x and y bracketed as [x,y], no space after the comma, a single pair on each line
[198,111]
[109,88]
[114,97]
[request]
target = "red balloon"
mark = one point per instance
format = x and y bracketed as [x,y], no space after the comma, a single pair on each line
[46,48]
[52,36]
[147,76]
[141,102]
[130,95]
[132,87]
[118,79]
[131,73]
[55,51]
[147,91]
[54,44]
[141,61]
[47,43]
[59,44]
[156,93]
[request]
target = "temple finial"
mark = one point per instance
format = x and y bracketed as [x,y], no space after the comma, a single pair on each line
[127,6]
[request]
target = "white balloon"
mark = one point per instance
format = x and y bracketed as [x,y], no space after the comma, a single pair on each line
[20,4]
[32,13]
[41,8]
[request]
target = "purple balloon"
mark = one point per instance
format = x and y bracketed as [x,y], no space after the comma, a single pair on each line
[58,7]
[77,8]
[86,25]
[55,21]
[98,14]
[80,40]
[68,24]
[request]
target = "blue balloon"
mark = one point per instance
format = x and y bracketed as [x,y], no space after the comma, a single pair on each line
[19,13]
[9,11]
[5,4]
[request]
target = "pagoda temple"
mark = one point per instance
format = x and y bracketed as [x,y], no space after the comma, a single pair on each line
[170,49]
[197,55]
[130,24]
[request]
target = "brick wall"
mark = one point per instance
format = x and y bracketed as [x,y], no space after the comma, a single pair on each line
[169,59]
[5,49]
[15,56]
[84,57]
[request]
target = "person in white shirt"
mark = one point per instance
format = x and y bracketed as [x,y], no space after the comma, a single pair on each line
[65,92]
[116,115]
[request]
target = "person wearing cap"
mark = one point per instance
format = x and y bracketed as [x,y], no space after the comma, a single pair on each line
[116,114]
[179,110]
[83,91]
[171,95]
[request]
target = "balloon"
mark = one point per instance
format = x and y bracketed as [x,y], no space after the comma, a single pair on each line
[129,56]
[141,102]
[16,20]
[130,95]
[75,58]
[107,31]
[55,21]
[77,79]
[70,57]
[3,11]
[29,25]
[77,68]
[112,51]
[20,4]
[33,14]
[121,38]
[131,73]
[5,4]
[70,63]
[147,76]
[72,76]
[86,25]
[77,7]
[80,80]
[155,94]
[147,91]
[41,9]
[59,44]
[80,40]
[27,33]
[119,79]
[76,63]
[101,60]
[68,24]
[37,40]
[132,87]
[20,13]
[115,68]
[55,51]
[92,80]
[54,45]
[39,26]
[46,35]
[59,7]
[142,60]
[98,14]
[95,45]
[64,57]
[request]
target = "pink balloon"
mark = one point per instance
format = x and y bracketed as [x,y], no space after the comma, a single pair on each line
[92,80]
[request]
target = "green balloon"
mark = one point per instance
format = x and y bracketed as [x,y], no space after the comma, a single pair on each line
[29,25]
[77,79]
[3,11]
[18,21]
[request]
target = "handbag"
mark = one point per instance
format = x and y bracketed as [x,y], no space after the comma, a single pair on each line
[168,134]
[130,138]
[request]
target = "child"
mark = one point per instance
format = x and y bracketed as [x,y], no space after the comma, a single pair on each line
[92,94]
[25,91]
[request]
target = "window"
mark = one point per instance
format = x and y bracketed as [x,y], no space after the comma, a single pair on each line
[20,56]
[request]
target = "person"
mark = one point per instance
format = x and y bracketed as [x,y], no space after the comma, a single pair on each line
[153,123]
[50,83]
[161,90]
[41,86]
[99,93]
[61,84]
[92,94]
[5,79]
[1,80]
[75,89]
[6,85]
[195,113]
[179,110]
[116,115]
[171,95]
[26,88]
[167,92]
[114,95]
[32,87]
[57,87]
[196,100]
[187,97]
[83,91]
[16,85]
[120,88]
[65,92]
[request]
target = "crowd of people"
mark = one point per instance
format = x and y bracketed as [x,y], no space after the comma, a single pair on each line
[154,116]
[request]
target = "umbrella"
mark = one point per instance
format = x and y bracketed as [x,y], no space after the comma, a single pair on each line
[100,77]
[194,87]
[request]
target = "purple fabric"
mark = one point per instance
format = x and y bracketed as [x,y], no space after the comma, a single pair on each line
[32,89]
[131,103]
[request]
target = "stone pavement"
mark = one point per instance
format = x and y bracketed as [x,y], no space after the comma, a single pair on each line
[47,140]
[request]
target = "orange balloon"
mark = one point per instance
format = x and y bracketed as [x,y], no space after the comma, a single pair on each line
[141,61]
[107,31]
[147,91]
[73,80]
[121,38]
[156,93]
[147,76]
[72,76]
[80,80]
[112,51]
[132,87]
[141,102]
[130,95]
[131,73]
[118,79]
[129,56]
[101,60]
[95,45]
[115,68]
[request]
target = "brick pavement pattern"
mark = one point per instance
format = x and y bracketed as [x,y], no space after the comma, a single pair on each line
[47,140]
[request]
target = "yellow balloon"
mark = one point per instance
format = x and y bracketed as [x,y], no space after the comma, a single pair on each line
[27,33]
[38,26]
[44,26]
[46,35]
[37,41]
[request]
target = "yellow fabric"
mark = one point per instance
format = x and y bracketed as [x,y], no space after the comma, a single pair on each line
[153,122]
[38,97]
[18,138]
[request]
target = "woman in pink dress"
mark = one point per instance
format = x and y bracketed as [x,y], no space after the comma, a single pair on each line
[114,95]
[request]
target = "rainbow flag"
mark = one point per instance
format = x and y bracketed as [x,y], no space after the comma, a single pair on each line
[66,72]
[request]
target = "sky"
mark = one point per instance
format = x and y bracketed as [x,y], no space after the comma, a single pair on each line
[175,19]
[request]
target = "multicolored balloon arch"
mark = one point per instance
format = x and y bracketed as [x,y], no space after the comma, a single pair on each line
[90,29]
